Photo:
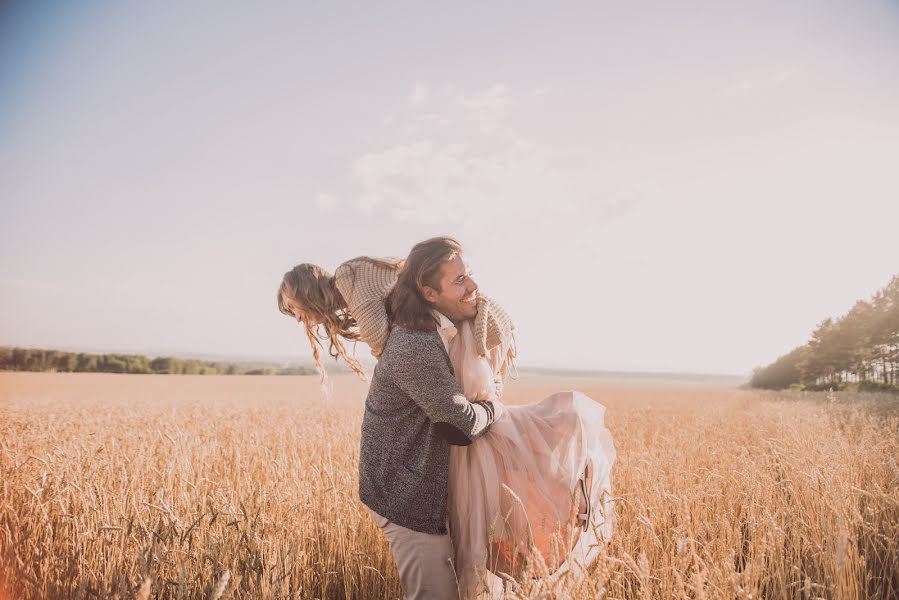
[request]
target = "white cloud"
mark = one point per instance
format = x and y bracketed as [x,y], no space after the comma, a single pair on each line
[771,79]
[623,204]
[486,109]
[325,202]
[495,98]
[30,285]
[468,163]
[429,182]
[419,94]
[540,94]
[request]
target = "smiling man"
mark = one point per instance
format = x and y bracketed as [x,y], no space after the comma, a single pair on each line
[414,410]
[455,295]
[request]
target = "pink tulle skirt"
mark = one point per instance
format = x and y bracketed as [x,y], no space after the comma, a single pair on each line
[514,492]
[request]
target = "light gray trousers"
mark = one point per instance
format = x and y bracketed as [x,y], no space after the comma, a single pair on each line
[424,561]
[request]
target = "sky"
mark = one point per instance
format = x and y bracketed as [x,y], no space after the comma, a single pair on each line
[646,186]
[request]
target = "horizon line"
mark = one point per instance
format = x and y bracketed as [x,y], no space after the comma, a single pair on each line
[284,360]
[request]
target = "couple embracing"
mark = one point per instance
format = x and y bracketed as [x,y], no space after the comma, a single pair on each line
[464,487]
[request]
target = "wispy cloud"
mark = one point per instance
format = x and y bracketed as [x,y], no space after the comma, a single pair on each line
[30,285]
[325,202]
[468,160]
[762,81]
[419,94]
[540,94]
[486,109]
[429,182]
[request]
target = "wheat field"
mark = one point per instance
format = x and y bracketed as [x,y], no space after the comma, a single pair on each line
[131,486]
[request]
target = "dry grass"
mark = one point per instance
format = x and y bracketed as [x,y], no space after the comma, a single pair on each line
[245,487]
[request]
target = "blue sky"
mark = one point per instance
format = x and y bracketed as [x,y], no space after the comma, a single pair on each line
[648,187]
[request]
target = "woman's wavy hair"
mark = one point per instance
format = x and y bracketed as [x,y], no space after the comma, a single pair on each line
[406,305]
[313,289]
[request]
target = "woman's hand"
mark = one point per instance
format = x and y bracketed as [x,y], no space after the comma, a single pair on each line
[498,409]
[499,385]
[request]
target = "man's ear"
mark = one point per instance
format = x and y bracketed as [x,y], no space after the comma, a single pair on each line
[429,293]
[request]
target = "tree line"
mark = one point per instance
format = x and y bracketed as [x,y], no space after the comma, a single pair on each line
[28,359]
[859,350]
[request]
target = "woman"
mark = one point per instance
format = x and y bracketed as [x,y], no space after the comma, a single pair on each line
[549,508]
[346,306]
[533,490]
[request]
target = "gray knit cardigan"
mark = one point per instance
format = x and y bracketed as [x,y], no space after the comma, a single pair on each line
[414,410]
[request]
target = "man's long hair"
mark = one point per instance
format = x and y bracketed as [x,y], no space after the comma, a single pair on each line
[406,304]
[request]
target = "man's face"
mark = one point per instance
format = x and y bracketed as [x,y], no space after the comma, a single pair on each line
[458,295]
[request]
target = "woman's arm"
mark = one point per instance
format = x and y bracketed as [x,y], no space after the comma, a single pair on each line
[374,328]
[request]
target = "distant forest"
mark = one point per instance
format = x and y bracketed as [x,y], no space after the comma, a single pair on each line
[860,350]
[28,359]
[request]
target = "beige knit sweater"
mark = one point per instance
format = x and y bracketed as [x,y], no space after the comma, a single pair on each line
[364,285]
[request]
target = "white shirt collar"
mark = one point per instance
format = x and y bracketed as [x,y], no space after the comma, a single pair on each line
[445,328]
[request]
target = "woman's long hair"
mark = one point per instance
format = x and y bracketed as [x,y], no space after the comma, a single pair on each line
[406,305]
[313,289]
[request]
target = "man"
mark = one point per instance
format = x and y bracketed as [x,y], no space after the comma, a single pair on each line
[414,410]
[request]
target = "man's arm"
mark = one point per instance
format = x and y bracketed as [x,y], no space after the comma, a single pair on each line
[421,370]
